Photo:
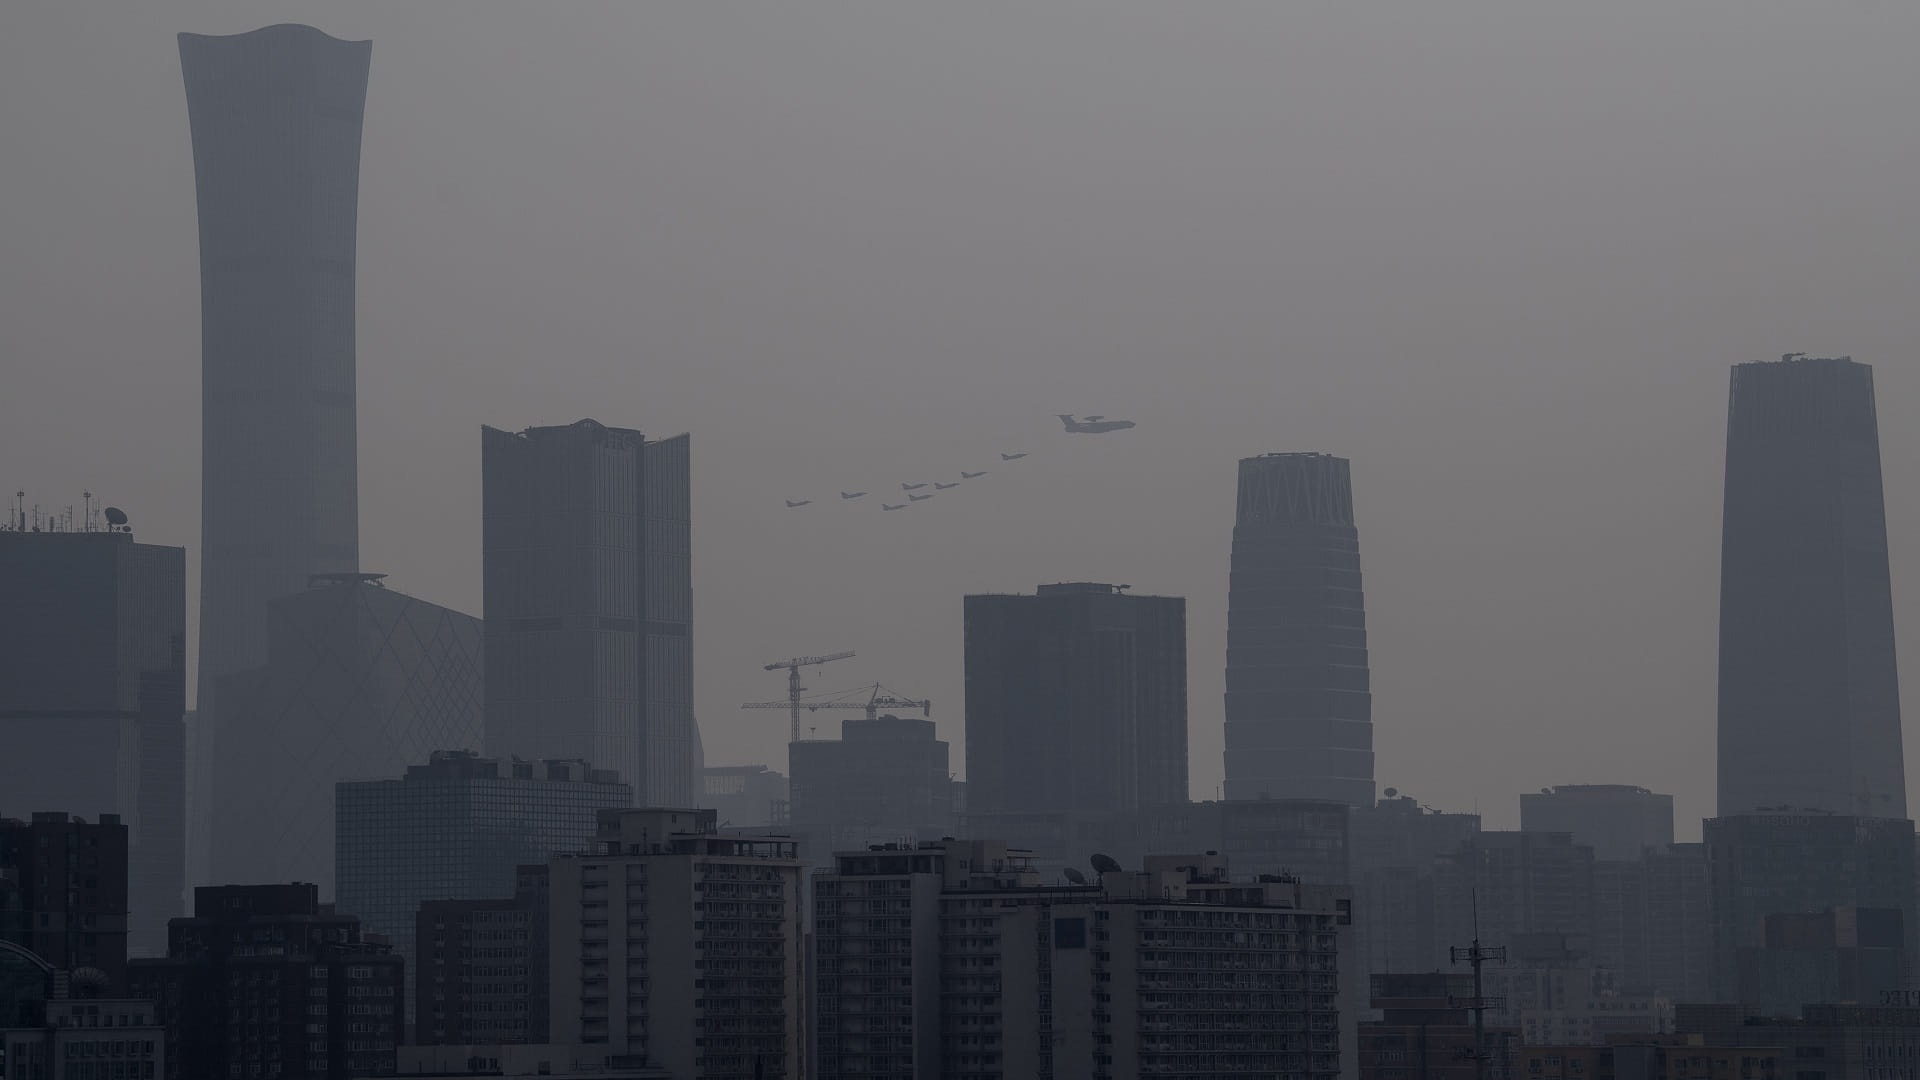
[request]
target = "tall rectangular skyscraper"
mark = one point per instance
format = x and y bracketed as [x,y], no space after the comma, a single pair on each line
[276,116]
[586,537]
[1299,705]
[1809,695]
[1076,701]
[92,691]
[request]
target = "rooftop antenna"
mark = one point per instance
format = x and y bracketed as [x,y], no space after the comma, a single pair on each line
[1479,1003]
[86,524]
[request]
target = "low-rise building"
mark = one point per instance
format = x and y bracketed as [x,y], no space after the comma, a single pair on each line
[519,1059]
[83,1037]
[1666,1057]
[1426,1031]
[263,981]
[1827,1042]
[955,959]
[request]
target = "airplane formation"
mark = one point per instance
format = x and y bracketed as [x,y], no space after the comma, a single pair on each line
[1086,425]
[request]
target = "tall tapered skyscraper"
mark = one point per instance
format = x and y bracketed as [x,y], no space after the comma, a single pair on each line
[586,546]
[1809,697]
[276,118]
[1299,707]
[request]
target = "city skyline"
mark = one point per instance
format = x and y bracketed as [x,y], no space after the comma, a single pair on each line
[1543,458]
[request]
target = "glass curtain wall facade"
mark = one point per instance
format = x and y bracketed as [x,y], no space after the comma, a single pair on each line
[1809,694]
[456,828]
[276,116]
[360,681]
[589,603]
[1299,703]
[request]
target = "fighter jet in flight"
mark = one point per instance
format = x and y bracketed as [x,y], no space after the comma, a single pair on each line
[938,486]
[1013,457]
[792,503]
[851,494]
[1093,425]
[965,475]
[911,487]
[891,506]
[919,498]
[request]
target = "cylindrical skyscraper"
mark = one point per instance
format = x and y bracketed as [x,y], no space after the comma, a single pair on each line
[276,116]
[1299,707]
[1809,695]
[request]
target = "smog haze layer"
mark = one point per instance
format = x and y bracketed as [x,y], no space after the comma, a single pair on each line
[1498,255]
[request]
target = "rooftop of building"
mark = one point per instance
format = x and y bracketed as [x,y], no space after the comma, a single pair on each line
[1594,789]
[94,521]
[976,866]
[471,765]
[654,830]
[1798,358]
[1077,588]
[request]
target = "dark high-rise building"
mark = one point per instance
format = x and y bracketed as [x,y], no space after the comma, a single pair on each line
[457,828]
[1792,864]
[1299,706]
[276,116]
[1618,821]
[1809,696]
[360,680]
[92,699]
[589,603]
[1076,701]
[1396,845]
[63,891]
[884,779]
[265,981]
[475,972]
[1509,884]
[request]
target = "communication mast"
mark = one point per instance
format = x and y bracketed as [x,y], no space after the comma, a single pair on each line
[1477,955]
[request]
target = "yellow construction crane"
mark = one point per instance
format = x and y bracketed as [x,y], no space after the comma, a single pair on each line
[793,666]
[878,697]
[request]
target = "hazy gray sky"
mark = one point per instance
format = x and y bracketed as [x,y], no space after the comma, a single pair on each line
[1499,255]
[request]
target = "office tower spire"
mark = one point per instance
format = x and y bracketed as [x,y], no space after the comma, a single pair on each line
[1809,697]
[276,156]
[1299,710]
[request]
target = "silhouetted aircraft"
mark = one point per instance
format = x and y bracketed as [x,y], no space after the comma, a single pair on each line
[1093,425]
[791,503]
[937,486]
[965,475]
[1013,457]
[911,487]
[890,506]
[851,494]
[919,498]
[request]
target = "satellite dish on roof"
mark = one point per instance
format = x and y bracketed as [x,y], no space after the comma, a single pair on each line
[1392,793]
[1104,864]
[1075,876]
[115,515]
